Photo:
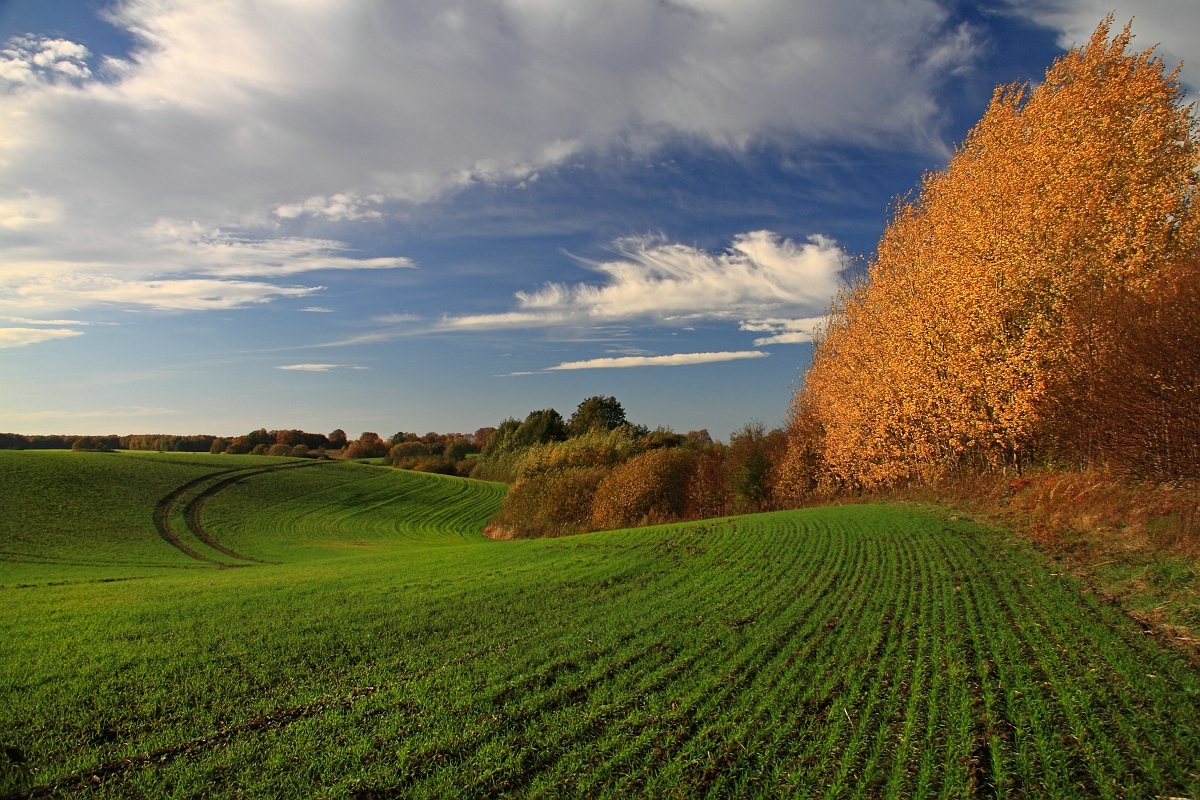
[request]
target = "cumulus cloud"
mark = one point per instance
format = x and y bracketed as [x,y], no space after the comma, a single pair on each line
[674,360]
[760,277]
[19,337]
[251,116]
[42,60]
[1173,25]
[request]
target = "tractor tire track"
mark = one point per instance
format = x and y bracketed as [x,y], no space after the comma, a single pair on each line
[162,515]
[277,719]
[165,506]
[191,512]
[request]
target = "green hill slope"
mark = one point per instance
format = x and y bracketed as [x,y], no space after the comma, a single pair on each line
[364,640]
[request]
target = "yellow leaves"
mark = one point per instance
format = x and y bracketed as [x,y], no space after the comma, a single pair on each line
[982,318]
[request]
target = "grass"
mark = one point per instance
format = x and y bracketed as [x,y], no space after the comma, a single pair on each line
[1135,543]
[365,640]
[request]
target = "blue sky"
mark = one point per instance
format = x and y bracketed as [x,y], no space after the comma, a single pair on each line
[433,215]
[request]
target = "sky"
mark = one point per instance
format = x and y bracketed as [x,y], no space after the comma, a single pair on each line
[222,215]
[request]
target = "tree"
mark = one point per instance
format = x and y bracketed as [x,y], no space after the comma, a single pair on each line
[986,322]
[596,411]
[481,438]
[337,439]
[540,427]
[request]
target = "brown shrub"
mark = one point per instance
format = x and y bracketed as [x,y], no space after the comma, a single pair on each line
[550,503]
[648,488]
[707,495]
[438,465]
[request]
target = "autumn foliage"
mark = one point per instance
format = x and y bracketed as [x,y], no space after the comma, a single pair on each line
[1037,301]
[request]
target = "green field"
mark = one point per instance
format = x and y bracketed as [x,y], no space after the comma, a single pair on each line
[193,626]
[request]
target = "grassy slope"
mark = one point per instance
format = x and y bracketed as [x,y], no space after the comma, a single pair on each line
[864,650]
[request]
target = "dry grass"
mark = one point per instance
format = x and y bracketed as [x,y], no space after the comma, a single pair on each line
[1136,544]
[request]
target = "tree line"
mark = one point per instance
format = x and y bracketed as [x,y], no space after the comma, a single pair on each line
[597,470]
[1035,303]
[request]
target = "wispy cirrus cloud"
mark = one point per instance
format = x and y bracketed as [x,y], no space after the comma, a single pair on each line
[203,271]
[31,321]
[19,337]
[674,360]
[317,367]
[309,367]
[132,411]
[182,294]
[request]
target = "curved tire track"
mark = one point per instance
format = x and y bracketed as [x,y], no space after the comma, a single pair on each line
[191,512]
[162,511]
[162,515]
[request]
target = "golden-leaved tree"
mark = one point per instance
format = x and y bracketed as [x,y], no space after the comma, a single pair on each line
[992,314]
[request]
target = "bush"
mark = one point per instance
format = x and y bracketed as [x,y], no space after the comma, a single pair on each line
[550,503]
[96,444]
[437,465]
[707,495]
[647,489]
[279,450]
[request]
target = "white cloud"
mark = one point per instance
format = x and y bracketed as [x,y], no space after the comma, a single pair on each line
[782,331]
[318,310]
[343,206]
[1173,25]
[217,253]
[194,294]
[28,321]
[28,211]
[158,259]
[184,294]
[242,116]
[42,60]
[392,319]
[311,367]
[134,411]
[678,359]
[760,276]
[19,337]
